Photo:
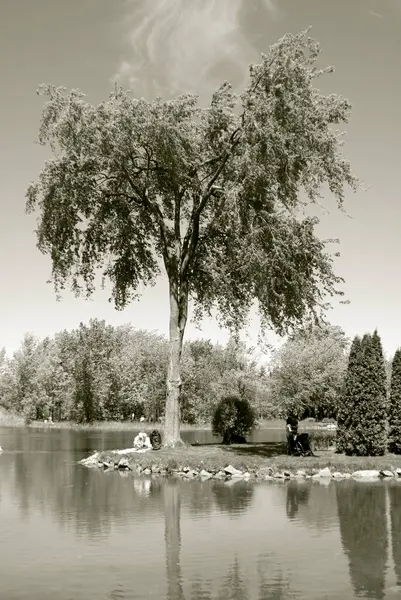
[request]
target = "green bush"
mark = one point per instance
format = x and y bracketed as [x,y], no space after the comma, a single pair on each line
[322,439]
[394,417]
[362,413]
[233,419]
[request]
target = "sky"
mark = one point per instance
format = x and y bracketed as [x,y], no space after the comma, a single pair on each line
[166,47]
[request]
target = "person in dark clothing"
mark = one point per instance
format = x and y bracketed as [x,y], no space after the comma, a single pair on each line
[292,433]
[155,439]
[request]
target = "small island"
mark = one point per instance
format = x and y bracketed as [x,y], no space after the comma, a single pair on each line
[252,462]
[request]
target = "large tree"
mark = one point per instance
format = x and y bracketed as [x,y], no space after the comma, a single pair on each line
[209,195]
[308,371]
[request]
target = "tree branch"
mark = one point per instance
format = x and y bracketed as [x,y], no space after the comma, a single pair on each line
[192,237]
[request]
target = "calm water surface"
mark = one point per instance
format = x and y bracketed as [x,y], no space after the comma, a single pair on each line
[70,533]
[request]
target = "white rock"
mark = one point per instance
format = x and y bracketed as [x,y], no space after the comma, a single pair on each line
[91,461]
[338,475]
[368,473]
[325,472]
[300,473]
[123,463]
[384,473]
[230,470]
[205,474]
[190,474]
[398,471]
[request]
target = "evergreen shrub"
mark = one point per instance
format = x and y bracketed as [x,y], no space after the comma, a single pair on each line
[394,417]
[362,413]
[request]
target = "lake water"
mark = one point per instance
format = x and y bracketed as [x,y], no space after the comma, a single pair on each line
[71,533]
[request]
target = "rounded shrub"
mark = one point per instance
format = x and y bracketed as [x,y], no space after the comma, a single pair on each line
[233,419]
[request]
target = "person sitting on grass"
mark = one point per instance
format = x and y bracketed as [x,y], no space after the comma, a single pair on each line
[292,432]
[142,442]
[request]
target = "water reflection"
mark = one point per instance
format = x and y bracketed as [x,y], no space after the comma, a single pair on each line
[272,586]
[395,511]
[234,586]
[363,526]
[119,536]
[172,536]
[234,496]
[297,494]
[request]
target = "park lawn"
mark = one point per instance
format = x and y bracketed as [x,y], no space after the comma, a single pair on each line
[252,458]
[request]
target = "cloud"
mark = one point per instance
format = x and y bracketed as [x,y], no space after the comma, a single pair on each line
[177,45]
[375,14]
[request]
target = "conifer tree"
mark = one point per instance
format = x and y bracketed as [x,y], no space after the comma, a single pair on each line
[362,425]
[350,398]
[374,407]
[394,416]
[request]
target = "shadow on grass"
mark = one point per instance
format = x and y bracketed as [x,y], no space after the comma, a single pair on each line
[263,449]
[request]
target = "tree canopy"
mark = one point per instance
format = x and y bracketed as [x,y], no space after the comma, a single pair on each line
[212,195]
[308,371]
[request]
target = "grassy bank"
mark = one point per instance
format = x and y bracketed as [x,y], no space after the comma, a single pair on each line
[250,457]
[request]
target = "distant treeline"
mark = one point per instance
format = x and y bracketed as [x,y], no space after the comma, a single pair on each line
[99,372]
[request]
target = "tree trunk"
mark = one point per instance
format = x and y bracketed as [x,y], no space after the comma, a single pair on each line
[178,320]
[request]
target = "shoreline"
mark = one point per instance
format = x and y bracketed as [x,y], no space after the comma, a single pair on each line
[244,463]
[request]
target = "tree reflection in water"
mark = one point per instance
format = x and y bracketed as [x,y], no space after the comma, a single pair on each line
[395,508]
[297,495]
[277,587]
[363,527]
[234,586]
[172,536]
[233,496]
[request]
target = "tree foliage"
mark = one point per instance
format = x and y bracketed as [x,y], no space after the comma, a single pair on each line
[98,372]
[308,372]
[233,419]
[211,195]
[362,416]
[394,417]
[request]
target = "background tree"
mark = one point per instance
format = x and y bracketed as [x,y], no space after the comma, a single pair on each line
[308,372]
[350,398]
[394,416]
[362,416]
[210,195]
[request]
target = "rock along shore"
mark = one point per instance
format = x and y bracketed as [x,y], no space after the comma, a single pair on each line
[126,461]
